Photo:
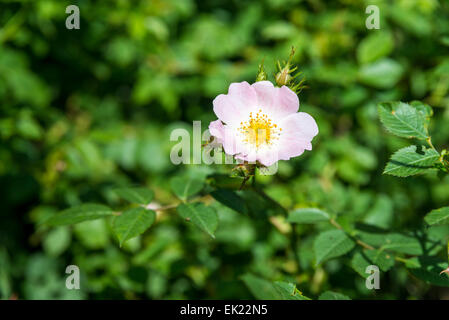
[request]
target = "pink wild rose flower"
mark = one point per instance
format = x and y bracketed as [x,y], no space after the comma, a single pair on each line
[260,122]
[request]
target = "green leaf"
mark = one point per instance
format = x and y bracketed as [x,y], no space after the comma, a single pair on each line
[308,215]
[132,223]
[93,234]
[381,212]
[331,244]
[288,291]
[199,214]
[375,46]
[266,290]
[230,199]
[365,258]
[382,74]
[438,216]
[403,120]
[359,262]
[409,161]
[396,242]
[385,261]
[135,195]
[261,205]
[428,269]
[186,187]
[425,109]
[330,295]
[84,212]
[260,288]
[57,240]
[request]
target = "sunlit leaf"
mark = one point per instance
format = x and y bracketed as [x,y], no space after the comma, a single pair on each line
[403,120]
[410,160]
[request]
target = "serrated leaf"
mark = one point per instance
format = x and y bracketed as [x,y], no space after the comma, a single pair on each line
[425,109]
[331,295]
[403,120]
[308,215]
[186,187]
[410,160]
[331,244]
[84,212]
[135,195]
[438,216]
[199,214]
[132,223]
[230,199]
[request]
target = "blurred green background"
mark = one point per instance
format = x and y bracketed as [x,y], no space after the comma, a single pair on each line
[84,111]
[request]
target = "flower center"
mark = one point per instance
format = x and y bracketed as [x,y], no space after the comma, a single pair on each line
[259,130]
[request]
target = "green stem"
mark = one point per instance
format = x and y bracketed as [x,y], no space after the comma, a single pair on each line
[441,158]
[358,241]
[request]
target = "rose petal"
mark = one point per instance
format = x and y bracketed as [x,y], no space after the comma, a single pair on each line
[299,123]
[266,94]
[231,108]
[217,130]
[287,102]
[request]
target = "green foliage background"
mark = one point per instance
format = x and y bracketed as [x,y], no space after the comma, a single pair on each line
[86,111]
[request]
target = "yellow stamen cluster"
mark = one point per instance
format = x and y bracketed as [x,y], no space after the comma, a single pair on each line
[259,130]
